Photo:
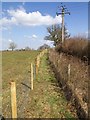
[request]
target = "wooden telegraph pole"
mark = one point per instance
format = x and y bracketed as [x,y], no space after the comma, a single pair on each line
[63,12]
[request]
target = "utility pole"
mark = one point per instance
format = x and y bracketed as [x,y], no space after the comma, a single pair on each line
[63,12]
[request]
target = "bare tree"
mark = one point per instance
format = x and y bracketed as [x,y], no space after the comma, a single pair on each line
[12,46]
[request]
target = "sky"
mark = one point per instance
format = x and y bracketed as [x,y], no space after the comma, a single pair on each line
[45,0]
[25,23]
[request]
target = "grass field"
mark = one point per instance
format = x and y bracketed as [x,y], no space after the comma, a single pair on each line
[15,67]
[45,101]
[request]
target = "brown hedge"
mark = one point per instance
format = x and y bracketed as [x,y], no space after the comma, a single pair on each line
[76,46]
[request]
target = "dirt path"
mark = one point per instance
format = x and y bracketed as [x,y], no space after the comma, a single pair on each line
[46,100]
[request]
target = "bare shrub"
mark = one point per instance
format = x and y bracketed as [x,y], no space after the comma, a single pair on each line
[76,46]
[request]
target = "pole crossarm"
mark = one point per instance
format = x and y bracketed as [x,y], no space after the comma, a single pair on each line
[62,13]
[67,13]
[58,13]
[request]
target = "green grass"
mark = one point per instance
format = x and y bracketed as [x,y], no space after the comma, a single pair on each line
[49,98]
[45,101]
[16,64]
[15,67]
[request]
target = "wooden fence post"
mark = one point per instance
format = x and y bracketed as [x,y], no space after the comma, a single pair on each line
[69,72]
[38,60]
[37,64]
[13,100]
[31,76]
[34,71]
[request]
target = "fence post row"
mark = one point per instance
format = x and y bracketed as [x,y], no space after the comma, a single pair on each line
[38,60]
[34,71]
[13,85]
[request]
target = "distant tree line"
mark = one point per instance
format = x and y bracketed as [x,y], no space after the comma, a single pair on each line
[45,46]
[13,46]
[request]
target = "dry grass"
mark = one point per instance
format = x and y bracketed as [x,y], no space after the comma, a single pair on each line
[78,81]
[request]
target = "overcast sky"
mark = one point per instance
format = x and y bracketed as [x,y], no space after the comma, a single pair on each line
[25,23]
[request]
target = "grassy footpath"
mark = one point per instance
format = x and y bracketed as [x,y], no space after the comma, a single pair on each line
[45,101]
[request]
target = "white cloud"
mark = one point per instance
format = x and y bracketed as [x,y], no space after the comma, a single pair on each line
[5,21]
[10,40]
[49,42]
[67,31]
[21,17]
[87,32]
[30,37]
[34,36]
